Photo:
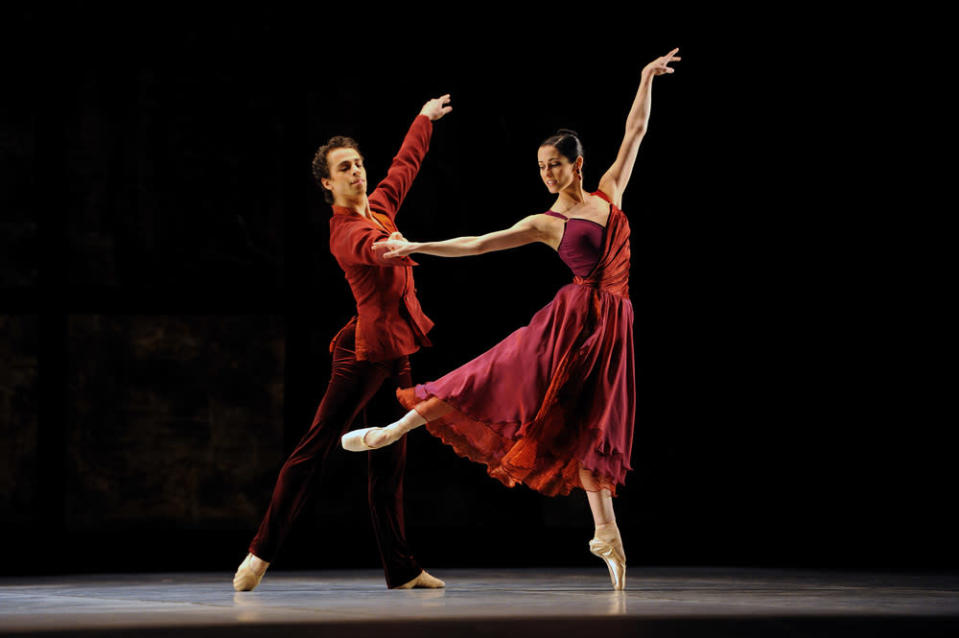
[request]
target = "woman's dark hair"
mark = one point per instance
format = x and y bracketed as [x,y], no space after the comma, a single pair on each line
[566,142]
[321,169]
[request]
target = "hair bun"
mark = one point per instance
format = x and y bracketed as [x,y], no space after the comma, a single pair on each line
[567,142]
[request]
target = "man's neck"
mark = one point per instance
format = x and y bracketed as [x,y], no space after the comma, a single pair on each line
[359,205]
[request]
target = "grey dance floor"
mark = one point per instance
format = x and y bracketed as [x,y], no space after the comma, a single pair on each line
[490,602]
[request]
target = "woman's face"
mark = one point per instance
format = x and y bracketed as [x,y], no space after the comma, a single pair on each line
[556,171]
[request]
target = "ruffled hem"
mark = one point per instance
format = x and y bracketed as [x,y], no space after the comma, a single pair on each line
[511,456]
[553,397]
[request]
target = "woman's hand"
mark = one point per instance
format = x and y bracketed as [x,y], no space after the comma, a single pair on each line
[436,108]
[395,246]
[660,65]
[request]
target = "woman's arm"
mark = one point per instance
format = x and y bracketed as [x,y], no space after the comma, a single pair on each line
[613,183]
[526,231]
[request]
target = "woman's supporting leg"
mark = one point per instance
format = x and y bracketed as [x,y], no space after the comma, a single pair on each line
[607,542]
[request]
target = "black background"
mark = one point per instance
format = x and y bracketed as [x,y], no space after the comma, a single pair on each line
[168,293]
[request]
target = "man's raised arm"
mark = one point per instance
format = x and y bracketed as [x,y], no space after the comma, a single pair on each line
[389,193]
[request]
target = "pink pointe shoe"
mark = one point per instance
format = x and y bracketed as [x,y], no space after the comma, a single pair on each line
[608,545]
[355,441]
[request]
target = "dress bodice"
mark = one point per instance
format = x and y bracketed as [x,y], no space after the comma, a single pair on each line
[597,255]
[581,245]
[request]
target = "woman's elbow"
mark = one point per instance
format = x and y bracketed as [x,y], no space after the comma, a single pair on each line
[478,246]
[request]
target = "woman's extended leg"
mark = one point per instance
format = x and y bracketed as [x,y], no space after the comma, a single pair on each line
[367,439]
[606,543]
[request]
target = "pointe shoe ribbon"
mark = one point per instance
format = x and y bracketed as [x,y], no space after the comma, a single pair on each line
[612,554]
[246,578]
[355,441]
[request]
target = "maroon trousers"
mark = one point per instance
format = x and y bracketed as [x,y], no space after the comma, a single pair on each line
[352,384]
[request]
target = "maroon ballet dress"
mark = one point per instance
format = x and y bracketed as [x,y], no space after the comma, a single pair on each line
[556,395]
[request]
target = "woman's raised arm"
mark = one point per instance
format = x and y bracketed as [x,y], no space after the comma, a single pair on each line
[613,183]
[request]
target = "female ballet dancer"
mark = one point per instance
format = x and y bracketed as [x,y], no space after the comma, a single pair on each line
[552,405]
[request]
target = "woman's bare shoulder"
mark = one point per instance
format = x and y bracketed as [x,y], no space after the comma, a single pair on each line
[548,229]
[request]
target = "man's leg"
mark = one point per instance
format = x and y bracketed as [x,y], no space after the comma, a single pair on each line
[352,383]
[385,471]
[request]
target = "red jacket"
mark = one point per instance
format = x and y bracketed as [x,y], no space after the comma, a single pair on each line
[390,322]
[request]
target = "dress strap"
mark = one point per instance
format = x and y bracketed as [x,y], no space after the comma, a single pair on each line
[600,193]
[560,215]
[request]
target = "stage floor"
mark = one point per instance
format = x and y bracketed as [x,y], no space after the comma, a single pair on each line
[558,602]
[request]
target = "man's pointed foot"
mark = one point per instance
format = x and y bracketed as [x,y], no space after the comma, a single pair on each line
[423,581]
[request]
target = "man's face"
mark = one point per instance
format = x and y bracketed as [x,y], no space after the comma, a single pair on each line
[347,178]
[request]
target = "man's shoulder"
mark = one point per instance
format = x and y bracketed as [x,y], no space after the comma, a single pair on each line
[342,228]
[379,201]
[341,222]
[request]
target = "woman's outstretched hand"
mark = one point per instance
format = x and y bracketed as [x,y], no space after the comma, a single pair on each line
[437,107]
[395,246]
[660,65]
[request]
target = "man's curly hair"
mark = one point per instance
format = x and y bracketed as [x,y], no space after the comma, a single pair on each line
[321,169]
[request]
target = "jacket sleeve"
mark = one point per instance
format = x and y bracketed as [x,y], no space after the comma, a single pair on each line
[389,193]
[352,244]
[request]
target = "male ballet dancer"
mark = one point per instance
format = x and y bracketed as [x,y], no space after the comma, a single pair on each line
[371,348]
